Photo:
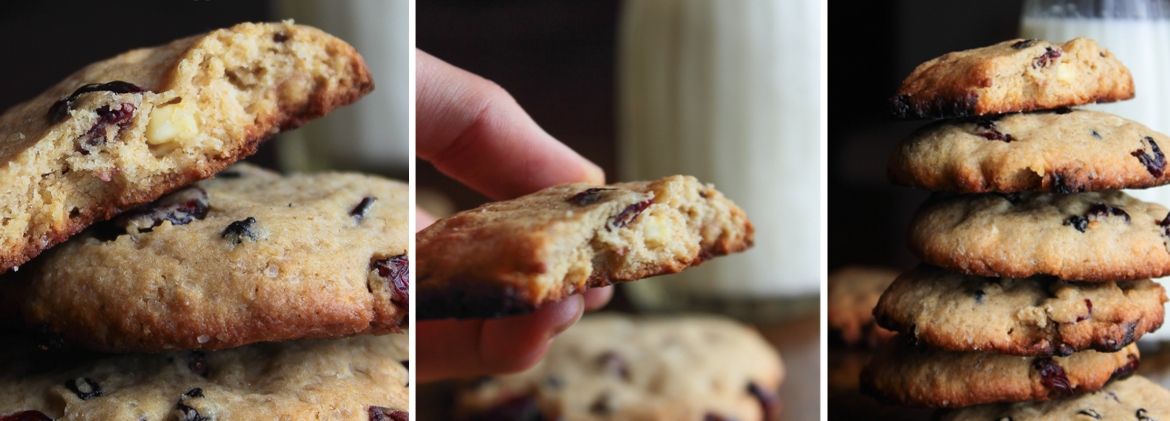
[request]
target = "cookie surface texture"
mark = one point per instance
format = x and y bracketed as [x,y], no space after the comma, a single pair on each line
[1129,399]
[346,379]
[1019,316]
[1012,76]
[1064,151]
[915,376]
[1098,236]
[249,256]
[125,131]
[688,368]
[514,256]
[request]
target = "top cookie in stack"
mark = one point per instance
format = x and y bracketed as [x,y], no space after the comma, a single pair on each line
[1037,255]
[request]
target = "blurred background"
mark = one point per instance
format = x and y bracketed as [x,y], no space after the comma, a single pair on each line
[47,41]
[728,91]
[873,47]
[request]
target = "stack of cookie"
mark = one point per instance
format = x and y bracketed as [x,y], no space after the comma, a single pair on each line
[105,177]
[1035,282]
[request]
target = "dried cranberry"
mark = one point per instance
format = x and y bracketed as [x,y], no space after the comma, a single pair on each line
[713,417]
[396,271]
[1079,222]
[1089,305]
[1045,59]
[26,416]
[96,135]
[522,408]
[601,406]
[1165,224]
[627,215]
[991,132]
[60,109]
[194,393]
[378,413]
[615,365]
[187,413]
[1090,413]
[197,362]
[1101,209]
[1022,44]
[280,37]
[1141,415]
[236,231]
[1053,377]
[589,196]
[84,387]
[1060,186]
[1095,134]
[1155,163]
[1131,365]
[769,401]
[180,208]
[359,211]
[979,296]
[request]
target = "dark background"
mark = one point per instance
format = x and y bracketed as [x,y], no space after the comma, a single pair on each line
[555,57]
[872,47]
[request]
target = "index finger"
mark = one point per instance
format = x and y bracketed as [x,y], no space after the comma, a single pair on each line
[475,132]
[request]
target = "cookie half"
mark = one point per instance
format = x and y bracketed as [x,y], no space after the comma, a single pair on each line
[125,131]
[1097,236]
[1064,151]
[1135,398]
[1012,76]
[348,379]
[246,257]
[914,376]
[689,368]
[852,294]
[1019,316]
[514,256]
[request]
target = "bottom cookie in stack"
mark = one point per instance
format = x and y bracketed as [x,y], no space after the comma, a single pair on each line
[611,367]
[971,340]
[1135,398]
[362,378]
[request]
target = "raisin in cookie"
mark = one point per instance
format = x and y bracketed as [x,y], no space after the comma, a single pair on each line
[125,131]
[1028,316]
[1097,236]
[248,256]
[513,256]
[852,294]
[1063,151]
[355,379]
[1012,76]
[689,368]
[1135,398]
[915,376]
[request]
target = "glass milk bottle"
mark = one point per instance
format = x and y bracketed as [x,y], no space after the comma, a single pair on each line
[1138,34]
[729,91]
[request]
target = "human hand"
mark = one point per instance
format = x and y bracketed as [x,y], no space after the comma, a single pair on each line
[472,130]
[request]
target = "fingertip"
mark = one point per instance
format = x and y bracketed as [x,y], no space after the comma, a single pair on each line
[597,298]
[515,343]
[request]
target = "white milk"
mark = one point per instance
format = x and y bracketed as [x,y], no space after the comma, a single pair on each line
[729,91]
[1143,45]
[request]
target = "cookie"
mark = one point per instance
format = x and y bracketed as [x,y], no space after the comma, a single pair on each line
[852,294]
[1064,151]
[514,256]
[1135,398]
[347,379]
[1019,316]
[125,131]
[248,256]
[612,367]
[915,376]
[1096,236]
[1012,76]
